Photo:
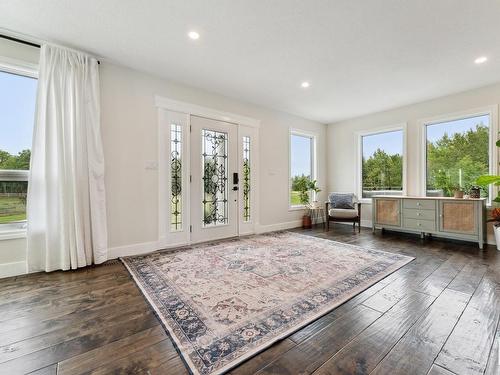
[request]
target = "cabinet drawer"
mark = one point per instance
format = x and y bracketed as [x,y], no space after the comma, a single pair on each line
[410,213]
[421,225]
[423,204]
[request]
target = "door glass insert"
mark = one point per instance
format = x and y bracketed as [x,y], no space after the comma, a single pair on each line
[215,190]
[176,177]
[246,179]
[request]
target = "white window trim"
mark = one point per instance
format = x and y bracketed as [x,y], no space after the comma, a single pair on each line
[17,229]
[314,162]
[18,67]
[492,111]
[359,157]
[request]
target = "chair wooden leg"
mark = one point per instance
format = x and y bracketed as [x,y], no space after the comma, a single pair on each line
[327,224]
[359,226]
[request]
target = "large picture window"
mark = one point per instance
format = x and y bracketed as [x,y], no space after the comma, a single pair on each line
[382,158]
[17,109]
[457,152]
[302,165]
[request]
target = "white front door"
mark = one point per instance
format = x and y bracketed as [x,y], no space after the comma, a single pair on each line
[214,186]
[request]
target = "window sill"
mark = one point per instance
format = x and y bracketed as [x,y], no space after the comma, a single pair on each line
[296,208]
[12,234]
[12,231]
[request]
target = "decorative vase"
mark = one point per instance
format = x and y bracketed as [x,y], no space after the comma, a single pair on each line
[306,222]
[458,194]
[475,192]
[496,229]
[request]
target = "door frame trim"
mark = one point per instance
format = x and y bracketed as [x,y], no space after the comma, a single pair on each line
[165,237]
[210,113]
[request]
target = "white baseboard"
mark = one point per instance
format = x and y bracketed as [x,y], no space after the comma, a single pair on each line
[148,247]
[136,249]
[12,269]
[366,223]
[279,226]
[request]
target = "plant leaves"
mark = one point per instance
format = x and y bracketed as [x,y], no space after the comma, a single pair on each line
[487,180]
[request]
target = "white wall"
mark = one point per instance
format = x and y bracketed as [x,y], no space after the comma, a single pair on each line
[342,138]
[12,257]
[129,130]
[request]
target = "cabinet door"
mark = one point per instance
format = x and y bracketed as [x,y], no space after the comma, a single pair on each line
[388,211]
[458,217]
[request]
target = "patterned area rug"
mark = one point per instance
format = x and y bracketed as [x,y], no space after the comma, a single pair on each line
[224,302]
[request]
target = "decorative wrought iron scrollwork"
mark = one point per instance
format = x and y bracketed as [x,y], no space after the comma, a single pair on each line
[214,159]
[246,178]
[176,177]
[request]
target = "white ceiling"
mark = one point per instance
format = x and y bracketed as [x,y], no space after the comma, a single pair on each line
[359,56]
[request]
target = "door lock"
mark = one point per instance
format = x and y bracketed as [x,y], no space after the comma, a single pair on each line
[235,188]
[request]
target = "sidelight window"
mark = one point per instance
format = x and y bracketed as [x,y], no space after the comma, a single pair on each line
[176,176]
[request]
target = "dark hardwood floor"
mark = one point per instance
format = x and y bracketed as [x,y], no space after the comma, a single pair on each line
[437,315]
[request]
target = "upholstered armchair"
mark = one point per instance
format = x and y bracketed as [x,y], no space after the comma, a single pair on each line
[343,207]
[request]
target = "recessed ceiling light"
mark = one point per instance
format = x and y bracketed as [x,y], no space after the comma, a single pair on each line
[481,59]
[305,84]
[194,35]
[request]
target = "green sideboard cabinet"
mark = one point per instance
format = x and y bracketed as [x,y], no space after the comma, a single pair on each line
[460,219]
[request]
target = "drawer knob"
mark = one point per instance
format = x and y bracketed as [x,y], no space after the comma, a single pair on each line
[419,224]
[418,214]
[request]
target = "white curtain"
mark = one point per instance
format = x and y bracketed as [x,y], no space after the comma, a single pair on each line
[66,195]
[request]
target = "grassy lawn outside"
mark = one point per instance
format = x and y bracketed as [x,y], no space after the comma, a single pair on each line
[295,198]
[12,209]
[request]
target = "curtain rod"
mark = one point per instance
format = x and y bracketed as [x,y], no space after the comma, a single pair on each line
[24,42]
[20,41]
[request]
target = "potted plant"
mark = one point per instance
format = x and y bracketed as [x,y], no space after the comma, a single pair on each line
[458,192]
[495,218]
[313,187]
[495,213]
[305,186]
